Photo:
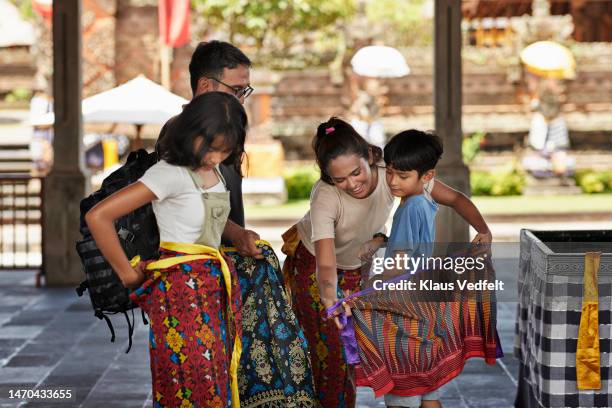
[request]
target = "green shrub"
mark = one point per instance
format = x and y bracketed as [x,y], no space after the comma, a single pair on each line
[508,183]
[498,183]
[470,146]
[18,95]
[299,184]
[592,182]
[481,183]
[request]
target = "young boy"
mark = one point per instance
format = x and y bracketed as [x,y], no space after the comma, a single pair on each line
[411,348]
[411,157]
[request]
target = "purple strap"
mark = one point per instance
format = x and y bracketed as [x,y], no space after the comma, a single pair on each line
[347,335]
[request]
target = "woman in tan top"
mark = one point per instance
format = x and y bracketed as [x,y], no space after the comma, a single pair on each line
[349,207]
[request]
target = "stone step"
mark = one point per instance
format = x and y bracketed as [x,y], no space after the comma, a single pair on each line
[15,167]
[549,190]
[15,155]
[549,182]
[591,160]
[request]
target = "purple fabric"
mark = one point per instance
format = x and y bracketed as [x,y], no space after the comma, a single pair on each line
[349,341]
[499,353]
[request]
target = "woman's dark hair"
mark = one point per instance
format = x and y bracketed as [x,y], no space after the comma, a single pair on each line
[207,116]
[336,138]
[413,150]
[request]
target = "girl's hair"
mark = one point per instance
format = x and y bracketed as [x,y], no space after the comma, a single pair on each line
[337,138]
[207,116]
[413,150]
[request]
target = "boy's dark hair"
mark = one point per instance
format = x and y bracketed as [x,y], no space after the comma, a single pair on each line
[336,138]
[208,115]
[413,150]
[210,58]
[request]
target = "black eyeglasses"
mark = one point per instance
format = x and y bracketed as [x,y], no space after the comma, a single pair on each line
[238,92]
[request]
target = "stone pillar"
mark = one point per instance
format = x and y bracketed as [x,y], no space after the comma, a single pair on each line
[65,185]
[447,101]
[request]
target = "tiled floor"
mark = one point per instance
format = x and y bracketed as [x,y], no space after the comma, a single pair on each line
[49,338]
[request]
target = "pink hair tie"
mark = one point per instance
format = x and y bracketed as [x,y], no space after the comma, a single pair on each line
[329,130]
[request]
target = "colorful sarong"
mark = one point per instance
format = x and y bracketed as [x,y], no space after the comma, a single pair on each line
[410,347]
[333,377]
[193,302]
[274,368]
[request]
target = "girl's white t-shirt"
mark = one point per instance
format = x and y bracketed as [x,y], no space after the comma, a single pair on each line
[179,208]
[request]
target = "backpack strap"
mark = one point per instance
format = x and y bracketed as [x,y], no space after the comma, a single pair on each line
[82,288]
[130,330]
[101,316]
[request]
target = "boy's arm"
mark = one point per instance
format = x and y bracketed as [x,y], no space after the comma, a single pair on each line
[445,195]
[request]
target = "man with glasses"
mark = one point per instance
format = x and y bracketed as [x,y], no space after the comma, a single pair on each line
[219,66]
[222,67]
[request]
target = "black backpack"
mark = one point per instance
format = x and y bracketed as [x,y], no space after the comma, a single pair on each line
[138,235]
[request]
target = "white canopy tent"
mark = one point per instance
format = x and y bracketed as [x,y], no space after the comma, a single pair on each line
[14,30]
[379,61]
[139,101]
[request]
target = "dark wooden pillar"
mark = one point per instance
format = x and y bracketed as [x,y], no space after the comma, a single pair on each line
[447,101]
[65,185]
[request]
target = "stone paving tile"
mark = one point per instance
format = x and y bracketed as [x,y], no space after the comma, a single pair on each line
[8,347]
[20,332]
[17,375]
[9,309]
[79,395]
[31,318]
[14,301]
[5,388]
[34,360]
[125,403]
[53,300]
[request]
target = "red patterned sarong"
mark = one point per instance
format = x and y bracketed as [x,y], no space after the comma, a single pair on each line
[334,385]
[192,332]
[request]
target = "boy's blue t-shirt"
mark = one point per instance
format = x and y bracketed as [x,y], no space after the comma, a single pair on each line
[413,230]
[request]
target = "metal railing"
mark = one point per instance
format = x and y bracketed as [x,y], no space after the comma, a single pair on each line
[21,243]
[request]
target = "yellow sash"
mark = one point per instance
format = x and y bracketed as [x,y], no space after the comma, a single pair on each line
[197,252]
[588,373]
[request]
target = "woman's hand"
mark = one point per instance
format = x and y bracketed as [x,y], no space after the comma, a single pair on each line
[346,309]
[369,248]
[133,277]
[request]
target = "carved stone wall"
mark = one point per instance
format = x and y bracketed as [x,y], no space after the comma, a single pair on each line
[98,27]
[137,43]
[137,47]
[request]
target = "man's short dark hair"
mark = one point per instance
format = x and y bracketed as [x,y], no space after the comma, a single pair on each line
[413,150]
[210,58]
